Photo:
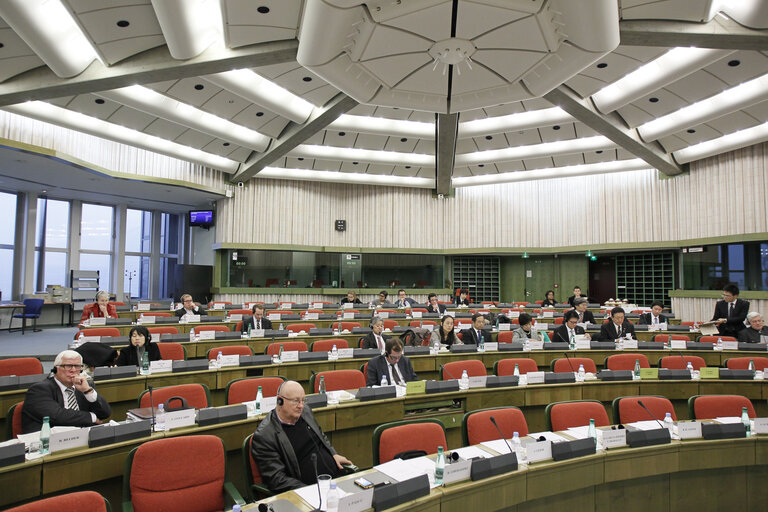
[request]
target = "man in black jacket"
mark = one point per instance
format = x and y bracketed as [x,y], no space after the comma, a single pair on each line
[434,306]
[563,333]
[617,327]
[584,316]
[756,331]
[654,317]
[287,438]
[188,307]
[257,320]
[730,312]
[392,364]
[375,338]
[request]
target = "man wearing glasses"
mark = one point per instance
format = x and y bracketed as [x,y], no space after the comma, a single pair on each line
[188,307]
[286,440]
[65,397]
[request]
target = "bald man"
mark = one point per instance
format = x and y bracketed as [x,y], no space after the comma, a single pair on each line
[285,440]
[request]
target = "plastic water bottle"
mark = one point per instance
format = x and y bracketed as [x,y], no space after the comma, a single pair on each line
[259,396]
[517,446]
[436,347]
[45,436]
[235,508]
[464,380]
[751,367]
[281,327]
[332,498]
[744,421]
[439,466]
[572,345]
[581,373]
[384,381]
[669,423]
[334,353]
[321,387]
[689,367]
[218,359]
[516,373]
[145,363]
[636,374]
[481,343]
[592,431]
[719,344]
[160,418]
[192,334]
[80,339]
[280,354]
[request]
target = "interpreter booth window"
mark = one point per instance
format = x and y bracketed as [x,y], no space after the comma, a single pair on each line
[713,266]
[138,238]
[169,252]
[7,236]
[51,243]
[96,241]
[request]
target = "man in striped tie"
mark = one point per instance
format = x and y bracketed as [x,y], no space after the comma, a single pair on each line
[65,397]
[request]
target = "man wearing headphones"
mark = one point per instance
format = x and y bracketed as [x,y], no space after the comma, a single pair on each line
[392,365]
[188,307]
[65,397]
[286,440]
[375,338]
[257,320]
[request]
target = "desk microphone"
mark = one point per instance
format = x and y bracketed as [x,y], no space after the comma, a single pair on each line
[263,507]
[313,458]
[443,370]
[685,361]
[641,404]
[569,361]
[151,406]
[493,420]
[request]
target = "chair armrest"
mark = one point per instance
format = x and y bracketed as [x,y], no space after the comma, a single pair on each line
[127,506]
[260,491]
[234,496]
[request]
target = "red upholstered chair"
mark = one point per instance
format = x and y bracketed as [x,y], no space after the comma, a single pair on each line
[230,350]
[507,367]
[239,326]
[117,303]
[83,501]
[386,311]
[346,326]
[165,329]
[244,390]
[742,363]
[571,364]
[419,323]
[172,351]
[665,337]
[689,323]
[20,366]
[463,323]
[227,303]
[364,369]
[274,348]
[13,421]
[418,310]
[390,324]
[454,369]
[244,312]
[327,345]
[255,489]
[178,473]
[390,440]
[505,337]
[300,327]
[627,410]
[625,361]
[196,395]
[99,331]
[477,427]
[575,413]
[336,380]
[702,407]
[681,362]
[713,339]
[217,328]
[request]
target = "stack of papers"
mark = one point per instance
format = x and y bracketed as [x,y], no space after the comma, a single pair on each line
[400,470]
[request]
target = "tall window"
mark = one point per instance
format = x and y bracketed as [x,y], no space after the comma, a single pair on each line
[138,236]
[7,234]
[96,241]
[52,242]
[169,252]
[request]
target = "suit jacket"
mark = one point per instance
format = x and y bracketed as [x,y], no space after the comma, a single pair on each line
[749,335]
[370,340]
[249,322]
[45,399]
[460,302]
[588,317]
[129,356]
[547,302]
[735,323]
[406,302]
[573,297]
[647,319]
[93,308]
[440,307]
[377,367]
[608,331]
[561,333]
[199,310]
[469,336]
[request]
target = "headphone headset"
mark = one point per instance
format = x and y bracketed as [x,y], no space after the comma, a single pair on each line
[280,400]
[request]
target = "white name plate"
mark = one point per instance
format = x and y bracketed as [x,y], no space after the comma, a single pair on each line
[477,382]
[689,429]
[761,426]
[97,320]
[268,403]
[146,319]
[347,305]
[349,315]
[535,377]
[613,438]
[311,316]
[630,344]
[176,419]
[542,326]
[317,305]
[582,344]
[236,317]
[87,339]
[207,335]
[456,471]
[193,318]
[491,346]
[678,344]
[536,345]
[165,365]
[68,439]
[143,307]
[286,305]
[383,314]
[273,316]
[730,345]
[538,450]
[356,502]
[219,306]
[547,314]
[230,360]
[504,327]
[346,353]
[416,314]
[514,314]
[257,333]
[290,356]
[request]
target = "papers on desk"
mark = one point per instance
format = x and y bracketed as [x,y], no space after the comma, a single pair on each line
[645,425]
[400,470]
[309,494]
[578,432]
[497,445]
[470,452]
[549,436]
[728,419]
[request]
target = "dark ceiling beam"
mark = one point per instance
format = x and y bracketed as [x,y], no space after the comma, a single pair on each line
[447,131]
[155,65]
[613,127]
[722,33]
[294,135]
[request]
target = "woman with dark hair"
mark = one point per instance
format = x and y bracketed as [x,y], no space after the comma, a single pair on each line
[549,299]
[444,334]
[523,331]
[140,342]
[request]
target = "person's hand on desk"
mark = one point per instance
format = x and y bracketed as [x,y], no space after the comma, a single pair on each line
[720,321]
[340,459]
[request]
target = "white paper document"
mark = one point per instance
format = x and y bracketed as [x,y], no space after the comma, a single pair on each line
[645,425]
[310,495]
[497,445]
[578,432]
[549,436]
[400,470]
[470,452]
[728,419]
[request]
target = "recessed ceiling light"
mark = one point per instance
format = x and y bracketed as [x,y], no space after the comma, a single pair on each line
[99,101]
[199,87]
[602,65]
[599,151]
[307,78]
[354,163]
[123,23]
[691,130]
[1,45]
[404,139]
[263,9]
[407,166]
[653,99]
[301,159]
[259,114]
[341,134]
[481,165]
[733,63]
[230,101]
[489,137]
[556,127]
[226,144]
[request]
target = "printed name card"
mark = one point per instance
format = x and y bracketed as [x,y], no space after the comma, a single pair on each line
[451,314]
[630,344]
[311,316]
[230,360]
[649,373]
[761,426]
[416,387]
[536,345]
[477,382]
[317,305]
[349,315]
[582,343]
[678,344]
[286,305]
[176,419]
[456,471]
[491,346]
[541,326]
[145,306]
[416,314]
[347,305]
[730,345]
[613,438]
[709,372]
[538,451]
[257,333]
[547,314]
[514,314]
[218,306]
[268,403]
[357,501]
[207,335]
[689,429]
[236,317]
[146,319]
[193,318]
[87,339]
[290,356]
[273,316]
[346,353]
[68,439]
[504,327]
[165,365]
[535,377]
[97,320]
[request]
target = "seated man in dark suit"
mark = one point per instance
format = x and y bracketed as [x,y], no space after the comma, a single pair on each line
[617,327]
[569,329]
[654,317]
[576,295]
[730,312]
[375,339]
[188,307]
[257,320]
[472,336]
[392,365]
[402,300]
[65,397]
[434,306]
[580,306]
[756,329]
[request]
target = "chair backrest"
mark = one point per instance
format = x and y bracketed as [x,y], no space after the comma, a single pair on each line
[244,390]
[454,369]
[172,351]
[681,362]
[230,350]
[477,427]
[742,363]
[575,413]
[713,339]
[418,310]
[177,473]
[626,361]
[505,337]
[397,437]
[327,345]
[346,326]
[217,328]
[165,314]
[389,324]
[665,337]
[627,410]
[336,380]
[419,323]
[13,420]
[244,312]
[254,483]
[83,501]
[164,329]
[99,331]
[300,327]
[33,306]
[565,365]
[20,366]
[196,395]
[507,367]
[274,348]
[702,407]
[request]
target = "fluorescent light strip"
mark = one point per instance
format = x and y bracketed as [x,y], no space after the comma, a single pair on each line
[730,142]
[189,26]
[730,100]
[256,89]
[514,122]
[556,172]
[670,67]
[383,126]
[363,155]
[345,177]
[80,122]
[563,147]
[156,104]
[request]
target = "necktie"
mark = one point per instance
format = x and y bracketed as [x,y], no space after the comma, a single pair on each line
[395,380]
[71,400]
[656,320]
[730,309]
[258,324]
[581,318]
[570,333]
[618,331]
[379,342]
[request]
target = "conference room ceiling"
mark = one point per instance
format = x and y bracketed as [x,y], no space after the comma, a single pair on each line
[348,91]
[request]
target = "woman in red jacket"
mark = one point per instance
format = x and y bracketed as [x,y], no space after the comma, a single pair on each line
[100,308]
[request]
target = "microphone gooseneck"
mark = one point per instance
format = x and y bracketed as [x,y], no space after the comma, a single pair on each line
[641,404]
[493,420]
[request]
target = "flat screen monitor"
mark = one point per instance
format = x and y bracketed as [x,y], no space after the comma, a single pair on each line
[202,218]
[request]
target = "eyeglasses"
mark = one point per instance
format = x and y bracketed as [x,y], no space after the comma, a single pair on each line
[71,366]
[295,401]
